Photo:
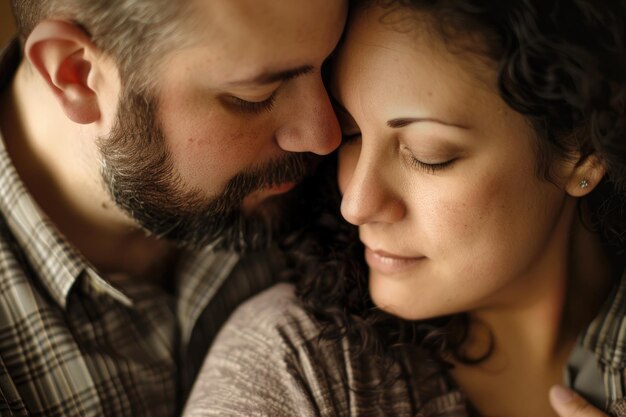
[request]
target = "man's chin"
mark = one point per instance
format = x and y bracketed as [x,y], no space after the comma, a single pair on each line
[264,224]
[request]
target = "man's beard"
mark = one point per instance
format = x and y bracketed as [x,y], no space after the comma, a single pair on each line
[139,174]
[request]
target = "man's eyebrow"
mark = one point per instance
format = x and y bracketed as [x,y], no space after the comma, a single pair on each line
[405,121]
[270,77]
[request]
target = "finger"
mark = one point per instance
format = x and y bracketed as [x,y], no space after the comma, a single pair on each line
[567,403]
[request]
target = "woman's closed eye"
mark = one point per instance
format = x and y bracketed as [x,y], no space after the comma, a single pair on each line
[427,164]
[431,168]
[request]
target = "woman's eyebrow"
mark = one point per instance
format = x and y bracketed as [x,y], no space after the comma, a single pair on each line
[399,122]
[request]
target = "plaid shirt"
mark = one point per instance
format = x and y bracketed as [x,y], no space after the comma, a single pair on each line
[598,365]
[72,344]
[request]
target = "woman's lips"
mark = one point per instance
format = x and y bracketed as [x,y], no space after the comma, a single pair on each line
[387,263]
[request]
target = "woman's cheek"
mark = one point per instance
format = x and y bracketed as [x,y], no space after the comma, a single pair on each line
[348,159]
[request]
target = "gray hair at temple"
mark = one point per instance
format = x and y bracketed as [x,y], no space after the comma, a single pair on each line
[135,33]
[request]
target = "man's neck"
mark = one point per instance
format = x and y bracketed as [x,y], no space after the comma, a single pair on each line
[58,161]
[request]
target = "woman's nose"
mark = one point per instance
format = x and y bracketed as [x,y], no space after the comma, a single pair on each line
[369,196]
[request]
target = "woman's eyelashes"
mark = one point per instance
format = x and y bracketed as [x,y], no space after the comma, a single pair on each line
[423,164]
[431,168]
[437,161]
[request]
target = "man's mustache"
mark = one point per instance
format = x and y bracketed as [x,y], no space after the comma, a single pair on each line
[289,168]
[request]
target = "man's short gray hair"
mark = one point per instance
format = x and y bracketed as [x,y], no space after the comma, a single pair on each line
[135,33]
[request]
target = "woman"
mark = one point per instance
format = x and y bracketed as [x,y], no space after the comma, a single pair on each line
[484,164]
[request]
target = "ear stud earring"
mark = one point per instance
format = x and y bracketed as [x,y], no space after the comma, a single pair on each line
[583,183]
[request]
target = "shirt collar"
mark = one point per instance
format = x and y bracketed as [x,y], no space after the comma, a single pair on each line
[606,334]
[53,260]
[200,275]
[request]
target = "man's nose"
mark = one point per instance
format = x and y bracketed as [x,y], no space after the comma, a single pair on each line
[313,125]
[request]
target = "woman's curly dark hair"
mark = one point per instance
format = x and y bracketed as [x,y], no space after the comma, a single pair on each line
[562,64]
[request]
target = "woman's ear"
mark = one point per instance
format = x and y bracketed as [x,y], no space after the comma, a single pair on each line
[63,54]
[585,176]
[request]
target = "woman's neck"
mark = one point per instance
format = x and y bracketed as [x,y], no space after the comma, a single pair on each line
[532,340]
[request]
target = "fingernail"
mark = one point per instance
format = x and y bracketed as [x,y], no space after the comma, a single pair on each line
[562,394]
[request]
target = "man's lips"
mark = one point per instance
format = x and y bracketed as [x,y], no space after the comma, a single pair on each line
[278,188]
[255,197]
[388,263]
[274,189]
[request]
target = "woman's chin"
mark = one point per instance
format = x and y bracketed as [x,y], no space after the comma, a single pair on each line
[398,301]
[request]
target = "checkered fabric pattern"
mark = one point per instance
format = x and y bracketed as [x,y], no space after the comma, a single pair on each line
[72,344]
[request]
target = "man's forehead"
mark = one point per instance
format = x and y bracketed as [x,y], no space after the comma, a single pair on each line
[269,19]
[252,10]
[262,41]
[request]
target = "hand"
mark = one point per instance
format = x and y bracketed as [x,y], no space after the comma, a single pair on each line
[567,403]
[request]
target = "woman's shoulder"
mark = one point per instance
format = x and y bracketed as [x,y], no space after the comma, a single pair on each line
[274,316]
[274,302]
[259,363]
[270,360]
[275,326]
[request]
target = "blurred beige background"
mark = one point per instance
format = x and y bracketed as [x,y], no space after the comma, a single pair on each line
[7,27]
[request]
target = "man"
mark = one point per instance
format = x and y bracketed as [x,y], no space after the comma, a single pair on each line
[133,131]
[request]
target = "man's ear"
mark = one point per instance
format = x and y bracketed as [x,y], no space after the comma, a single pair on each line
[585,176]
[63,55]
